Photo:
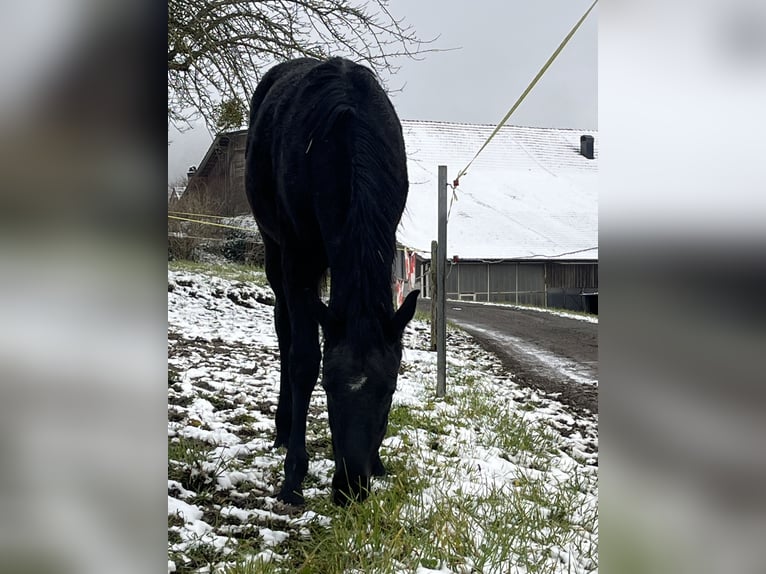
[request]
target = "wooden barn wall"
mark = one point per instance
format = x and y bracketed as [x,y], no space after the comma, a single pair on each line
[227,181]
[399,264]
[236,200]
[572,275]
[532,284]
[542,284]
[568,281]
[502,282]
[216,185]
[224,186]
[522,283]
[469,279]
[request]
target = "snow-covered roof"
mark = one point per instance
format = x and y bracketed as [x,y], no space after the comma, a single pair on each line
[530,194]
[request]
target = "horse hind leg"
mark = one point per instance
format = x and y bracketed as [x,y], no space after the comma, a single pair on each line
[273,267]
[284,415]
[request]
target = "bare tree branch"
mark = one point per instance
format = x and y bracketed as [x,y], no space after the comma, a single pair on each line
[219,49]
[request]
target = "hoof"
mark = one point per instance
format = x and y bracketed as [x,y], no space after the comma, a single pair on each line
[291,496]
[280,441]
[345,491]
[343,498]
[378,469]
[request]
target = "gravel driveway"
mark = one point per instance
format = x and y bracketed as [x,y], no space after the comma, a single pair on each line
[554,354]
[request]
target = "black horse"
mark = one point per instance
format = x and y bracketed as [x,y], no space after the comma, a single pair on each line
[326,177]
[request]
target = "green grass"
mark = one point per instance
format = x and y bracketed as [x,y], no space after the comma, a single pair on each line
[244,566]
[219,403]
[242,419]
[416,516]
[512,432]
[423,316]
[403,417]
[400,527]
[231,271]
[187,458]
[197,556]
[190,462]
[430,510]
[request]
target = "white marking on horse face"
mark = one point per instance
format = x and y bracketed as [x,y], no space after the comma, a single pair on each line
[357,383]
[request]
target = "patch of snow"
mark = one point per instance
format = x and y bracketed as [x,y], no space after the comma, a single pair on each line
[175,486]
[557,312]
[226,353]
[311,517]
[188,512]
[272,537]
[443,569]
[567,367]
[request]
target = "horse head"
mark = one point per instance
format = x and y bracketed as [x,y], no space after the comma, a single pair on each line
[360,381]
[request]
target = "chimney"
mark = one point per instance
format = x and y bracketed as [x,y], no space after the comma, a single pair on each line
[191,172]
[586,146]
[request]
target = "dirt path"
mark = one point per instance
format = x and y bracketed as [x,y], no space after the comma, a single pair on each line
[554,354]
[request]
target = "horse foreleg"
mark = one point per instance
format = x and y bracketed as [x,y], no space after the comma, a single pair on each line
[304,370]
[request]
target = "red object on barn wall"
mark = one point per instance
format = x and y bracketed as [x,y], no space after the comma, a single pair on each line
[399,293]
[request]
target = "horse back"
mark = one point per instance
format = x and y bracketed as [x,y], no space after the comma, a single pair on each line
[276,86]
[323,140]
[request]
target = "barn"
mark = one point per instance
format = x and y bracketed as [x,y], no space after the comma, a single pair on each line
[523,224]
[221,174]
[523,221]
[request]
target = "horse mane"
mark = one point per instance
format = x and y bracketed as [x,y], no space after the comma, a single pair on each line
[351,110]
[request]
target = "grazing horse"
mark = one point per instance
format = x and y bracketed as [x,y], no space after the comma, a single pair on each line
[326,178]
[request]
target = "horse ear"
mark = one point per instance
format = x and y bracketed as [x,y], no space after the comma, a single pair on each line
[323,315]
[404,314]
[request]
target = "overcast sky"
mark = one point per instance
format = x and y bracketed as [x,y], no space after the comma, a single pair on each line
[501,45]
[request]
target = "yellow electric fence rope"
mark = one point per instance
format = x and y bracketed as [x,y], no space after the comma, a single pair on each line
[211,223]
[532,84]
[251,230]
[199,215]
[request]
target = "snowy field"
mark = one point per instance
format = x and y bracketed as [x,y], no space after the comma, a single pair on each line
[494,478]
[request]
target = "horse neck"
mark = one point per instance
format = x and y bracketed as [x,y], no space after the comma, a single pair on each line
[360,289]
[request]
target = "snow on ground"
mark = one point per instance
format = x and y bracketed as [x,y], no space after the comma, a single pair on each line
[223,385]
[557,312]
[570,369]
